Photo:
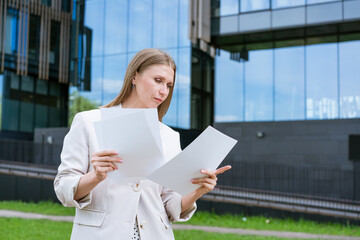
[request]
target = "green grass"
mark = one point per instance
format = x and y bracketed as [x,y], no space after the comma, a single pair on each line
[15,228]
[210,219]
[260,223]
[47,208]
[196,234]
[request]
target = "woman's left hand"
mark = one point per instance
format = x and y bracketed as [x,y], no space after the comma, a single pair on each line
[208,182]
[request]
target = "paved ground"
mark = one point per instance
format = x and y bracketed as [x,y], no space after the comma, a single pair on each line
[293,235]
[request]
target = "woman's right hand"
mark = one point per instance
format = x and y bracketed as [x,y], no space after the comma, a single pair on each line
[104,162]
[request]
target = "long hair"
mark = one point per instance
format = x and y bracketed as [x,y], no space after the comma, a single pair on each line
[140,62]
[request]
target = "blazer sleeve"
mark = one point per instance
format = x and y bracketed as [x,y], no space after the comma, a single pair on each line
[172,200]
[74,164]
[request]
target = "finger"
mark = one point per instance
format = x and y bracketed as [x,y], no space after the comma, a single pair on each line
[208,187]
[222,170]
[106,153]
[105,169]
[108,159]
[208,172]
[105,164]
[204,180]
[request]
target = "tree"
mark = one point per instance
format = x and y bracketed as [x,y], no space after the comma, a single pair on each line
[78,104]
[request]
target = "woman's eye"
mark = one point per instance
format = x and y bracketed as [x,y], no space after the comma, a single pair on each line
[169,86]
[158,80]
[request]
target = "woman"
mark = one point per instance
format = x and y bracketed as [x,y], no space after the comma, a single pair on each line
[138,210]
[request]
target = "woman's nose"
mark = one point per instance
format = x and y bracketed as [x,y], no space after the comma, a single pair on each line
[164,90]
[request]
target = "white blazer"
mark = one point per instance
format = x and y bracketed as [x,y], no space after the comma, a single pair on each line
[109,210]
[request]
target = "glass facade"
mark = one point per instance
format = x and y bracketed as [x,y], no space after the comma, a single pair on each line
[231,7]
[29,103]
[303,79]
[120,29]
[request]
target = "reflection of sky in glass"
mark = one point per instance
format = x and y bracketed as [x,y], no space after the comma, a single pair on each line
[228,7]
[165,24]
[96,93]
[114,73]
[349,60]
[254,5]
[171,115]
[289,83]
[259,86]
[115,26]
[183,87]
[321,81]
[140,25]
[229,88]
[94,19]
[183,33]
[286,3]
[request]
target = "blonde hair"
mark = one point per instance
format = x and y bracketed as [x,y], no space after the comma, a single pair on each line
[140,62]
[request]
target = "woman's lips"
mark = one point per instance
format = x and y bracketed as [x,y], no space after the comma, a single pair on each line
[159,100]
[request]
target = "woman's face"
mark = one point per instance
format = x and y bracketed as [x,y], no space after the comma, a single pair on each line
[152,86]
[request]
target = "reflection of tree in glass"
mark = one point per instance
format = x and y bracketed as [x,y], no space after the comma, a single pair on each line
[79,103]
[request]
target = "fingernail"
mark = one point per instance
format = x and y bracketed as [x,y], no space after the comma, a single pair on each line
[202,171]
[192,180]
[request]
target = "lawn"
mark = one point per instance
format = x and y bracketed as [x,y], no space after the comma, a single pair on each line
[211,219]
[15,228]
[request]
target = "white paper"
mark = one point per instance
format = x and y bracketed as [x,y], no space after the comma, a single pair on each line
[206,152]
[131,136]
[151,118]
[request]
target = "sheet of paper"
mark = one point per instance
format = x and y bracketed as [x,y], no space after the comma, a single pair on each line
[151,117]
[130,135]
[206,152]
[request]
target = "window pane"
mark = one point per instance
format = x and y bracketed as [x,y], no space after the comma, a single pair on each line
[11,31]
[116,26]
[289,83]
[11,115]
[286,3]
[140,25]
[26,116]
[114,73]
[34,38]
[254,5]
[321,81]
[184,18]
[165,21]
[96,93]
[349,79]
[94,20]
[228,7]
[183,87]
[229,89]
[171,115]
[259,86]
[54,51]
[41,115]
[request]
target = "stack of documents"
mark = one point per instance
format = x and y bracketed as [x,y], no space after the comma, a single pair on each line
[135,135]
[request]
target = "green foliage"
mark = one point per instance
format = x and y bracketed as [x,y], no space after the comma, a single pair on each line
[47,208]
[79,103]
